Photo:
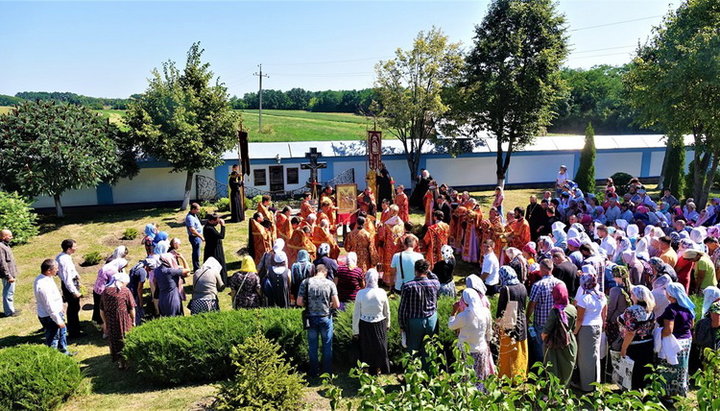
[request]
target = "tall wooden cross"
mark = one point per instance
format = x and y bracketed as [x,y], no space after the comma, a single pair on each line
[313,166]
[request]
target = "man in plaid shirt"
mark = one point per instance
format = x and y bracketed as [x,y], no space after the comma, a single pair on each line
[540,305]
[417,314]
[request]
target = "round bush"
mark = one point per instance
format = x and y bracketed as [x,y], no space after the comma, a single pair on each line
[36,377]
[197,348]
[16,215]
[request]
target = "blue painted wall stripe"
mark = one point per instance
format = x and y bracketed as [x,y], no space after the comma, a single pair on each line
[104,193]
[645,164]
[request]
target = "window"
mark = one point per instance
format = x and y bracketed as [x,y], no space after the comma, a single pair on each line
[260,177]
[292,175]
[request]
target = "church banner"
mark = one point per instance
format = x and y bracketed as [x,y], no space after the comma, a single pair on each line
[374,149]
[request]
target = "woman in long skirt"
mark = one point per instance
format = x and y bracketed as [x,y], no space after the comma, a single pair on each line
[591,307]
[513,359]
[371,320]
[474,323]
[678,320]
[117,308]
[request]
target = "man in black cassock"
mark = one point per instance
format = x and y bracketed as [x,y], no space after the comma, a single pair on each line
[236,205]
[213,242]
[384,183]
[536,216]
[423,183]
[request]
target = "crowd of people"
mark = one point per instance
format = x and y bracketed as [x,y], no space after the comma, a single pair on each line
[583,283]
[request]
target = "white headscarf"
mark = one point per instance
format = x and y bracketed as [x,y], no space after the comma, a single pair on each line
[117,265]
[211,264]
[278,245]
[710,294]
[447,253]
[476,283]
[621,224]
[698,234]
[120,252]
[119,280]
[474,305]
[632,230]
[371,278]
[351,259]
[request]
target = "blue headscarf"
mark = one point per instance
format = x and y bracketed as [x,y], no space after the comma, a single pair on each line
[160,236]
[508,276]
[677,291]
[303,256]
[150,230]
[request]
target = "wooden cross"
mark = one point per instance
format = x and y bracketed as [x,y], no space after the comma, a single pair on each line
[313,166]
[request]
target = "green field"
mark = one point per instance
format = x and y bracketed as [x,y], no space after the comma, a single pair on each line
[286,125]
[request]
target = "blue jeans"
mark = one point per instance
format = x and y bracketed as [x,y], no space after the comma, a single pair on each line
[416,331]
[321,327]
[55,336]
[8,294]
[535,345]
[195,243]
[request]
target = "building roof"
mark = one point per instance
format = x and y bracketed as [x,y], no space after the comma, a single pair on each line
[295,149]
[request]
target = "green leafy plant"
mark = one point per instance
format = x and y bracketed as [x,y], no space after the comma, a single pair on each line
[36,377]
[708,382]
[222,204]
[17,216]
[92,258]
[263,378]
[130,234]
[585,175]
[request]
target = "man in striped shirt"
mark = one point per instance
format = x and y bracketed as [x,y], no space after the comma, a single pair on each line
[417,314]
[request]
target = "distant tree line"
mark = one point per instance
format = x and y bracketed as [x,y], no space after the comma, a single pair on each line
[333,101]
[592,95]
[96,103]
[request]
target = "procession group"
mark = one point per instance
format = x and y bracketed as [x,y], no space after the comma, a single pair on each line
[576,276]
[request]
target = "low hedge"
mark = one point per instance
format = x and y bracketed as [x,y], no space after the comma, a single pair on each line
[36,377]
[197,348]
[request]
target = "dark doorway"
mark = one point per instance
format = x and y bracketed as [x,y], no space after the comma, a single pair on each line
[277,178]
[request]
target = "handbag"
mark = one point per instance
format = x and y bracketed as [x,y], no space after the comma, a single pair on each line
[560,336]
[508,321]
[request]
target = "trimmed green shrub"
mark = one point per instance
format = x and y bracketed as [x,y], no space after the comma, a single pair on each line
[92,258]
[621,181]
[222,204]
[263,378]
[16,215]
[130,234]
[36,377]
[196,348]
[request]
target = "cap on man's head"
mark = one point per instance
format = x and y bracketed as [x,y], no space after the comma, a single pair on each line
[563,167]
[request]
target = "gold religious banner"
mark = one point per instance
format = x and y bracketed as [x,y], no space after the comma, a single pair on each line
[374,149]
[346,198]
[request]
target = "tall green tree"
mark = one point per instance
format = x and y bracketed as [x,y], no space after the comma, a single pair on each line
[585,175]
[512,76]
[47,148]
[674,83]
[184,118]
[411,87]
[673,169]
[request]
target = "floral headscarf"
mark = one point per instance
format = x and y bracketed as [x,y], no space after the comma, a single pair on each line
[508,276]
[447,253]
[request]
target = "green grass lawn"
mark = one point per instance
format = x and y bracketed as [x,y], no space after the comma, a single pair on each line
[104,386]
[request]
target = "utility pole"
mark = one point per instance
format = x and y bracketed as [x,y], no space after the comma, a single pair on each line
[260,77]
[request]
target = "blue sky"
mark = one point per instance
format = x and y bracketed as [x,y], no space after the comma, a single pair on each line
[107,49]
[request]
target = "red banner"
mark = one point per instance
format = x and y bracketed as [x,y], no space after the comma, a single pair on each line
[374,149]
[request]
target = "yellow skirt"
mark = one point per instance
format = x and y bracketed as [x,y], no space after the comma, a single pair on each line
[513,359]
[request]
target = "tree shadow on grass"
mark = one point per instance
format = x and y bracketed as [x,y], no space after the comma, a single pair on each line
[90,215]
[106,378]
[12,340]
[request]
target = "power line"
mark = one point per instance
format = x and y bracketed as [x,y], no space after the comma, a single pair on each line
[330,62]
[260,77]
[615,23]
[602,55]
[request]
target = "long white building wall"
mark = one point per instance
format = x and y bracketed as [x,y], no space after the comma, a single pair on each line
[607,164]
[82,197]
[541,168]
[463,171]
